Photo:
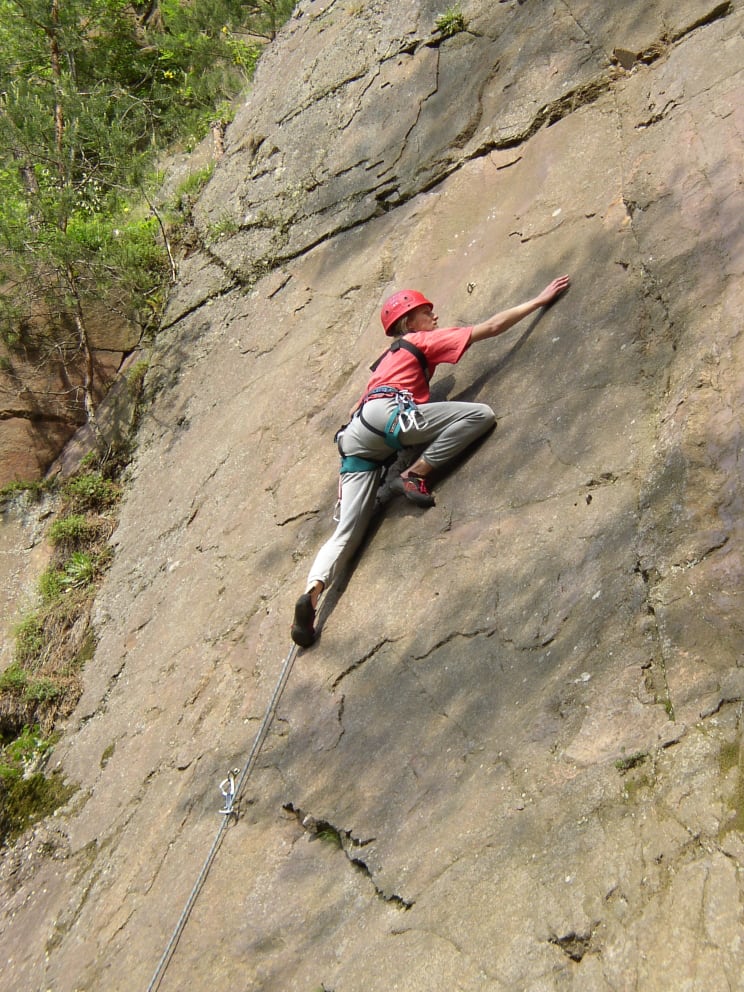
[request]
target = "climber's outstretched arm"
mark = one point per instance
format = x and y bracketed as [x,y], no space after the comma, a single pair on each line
[502,321]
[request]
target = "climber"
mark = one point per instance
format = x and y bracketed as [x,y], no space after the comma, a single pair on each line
[395,413]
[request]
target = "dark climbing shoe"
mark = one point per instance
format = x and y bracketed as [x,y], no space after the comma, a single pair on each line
[303,628]
[413,487]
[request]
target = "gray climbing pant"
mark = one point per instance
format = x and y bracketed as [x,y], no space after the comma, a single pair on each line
[449,428]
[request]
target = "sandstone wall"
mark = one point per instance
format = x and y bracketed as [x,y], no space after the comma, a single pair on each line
[41,395]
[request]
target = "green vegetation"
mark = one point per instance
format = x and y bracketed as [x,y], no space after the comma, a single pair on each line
[53,641]
[451,22]
[329,835]
[25,794]
[732,757]
[91,491]
[136,377]
[107,755]
[636,778]
[225,226]
[631,761]
[26,799]
[80,570]
[72,531]
[13,489]
[195,182]
[91,92]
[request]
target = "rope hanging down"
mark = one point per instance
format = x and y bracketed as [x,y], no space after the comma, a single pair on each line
[230,788]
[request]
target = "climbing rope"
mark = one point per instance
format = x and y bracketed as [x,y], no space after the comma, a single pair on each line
[231,788]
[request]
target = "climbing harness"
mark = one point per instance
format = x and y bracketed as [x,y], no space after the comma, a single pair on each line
[353,463]
[408,415]
[404,417]
[231,788]
[406,346]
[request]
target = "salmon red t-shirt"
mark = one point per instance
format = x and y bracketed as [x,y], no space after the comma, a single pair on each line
[402,370]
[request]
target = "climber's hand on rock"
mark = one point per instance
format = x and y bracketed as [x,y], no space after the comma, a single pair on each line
[554,290]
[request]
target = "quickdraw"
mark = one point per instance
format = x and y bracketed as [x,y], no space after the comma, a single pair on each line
[227,788]
[409,415]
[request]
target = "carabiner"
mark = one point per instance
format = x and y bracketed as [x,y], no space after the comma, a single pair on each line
[337,508]
[227,788]
[411,418]
[405,420]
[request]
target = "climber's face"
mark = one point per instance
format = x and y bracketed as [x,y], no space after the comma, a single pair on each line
[422,318]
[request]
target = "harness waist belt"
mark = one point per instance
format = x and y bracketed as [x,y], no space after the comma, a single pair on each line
[353,463]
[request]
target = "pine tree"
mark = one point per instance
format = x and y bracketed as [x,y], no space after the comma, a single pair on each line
[89,93]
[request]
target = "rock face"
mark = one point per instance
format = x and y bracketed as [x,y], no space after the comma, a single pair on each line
[514,758]
[41,401]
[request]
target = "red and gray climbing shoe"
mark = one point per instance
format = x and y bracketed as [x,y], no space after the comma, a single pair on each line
[413,487]
[303,628]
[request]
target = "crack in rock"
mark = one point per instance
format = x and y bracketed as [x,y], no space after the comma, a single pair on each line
[575,945]
[357,664]
[345,841]
[656,670]
[169,322]
[453,636]
[302,515]
[647,56]
[35,417]
[715,545]
[660,115]
[718,13]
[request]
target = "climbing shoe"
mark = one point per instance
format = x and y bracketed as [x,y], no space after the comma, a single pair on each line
[413,487]
[303,628]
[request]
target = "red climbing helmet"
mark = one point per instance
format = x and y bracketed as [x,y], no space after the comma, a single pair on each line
[399,304]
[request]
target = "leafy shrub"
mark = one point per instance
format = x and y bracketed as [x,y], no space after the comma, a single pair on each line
[451,22]
[50,585]
[79,570]
[34,489]
[13,680]
[29,639]
[71,531]
[91,491]
[87,109]
[27,746]
[43,690]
